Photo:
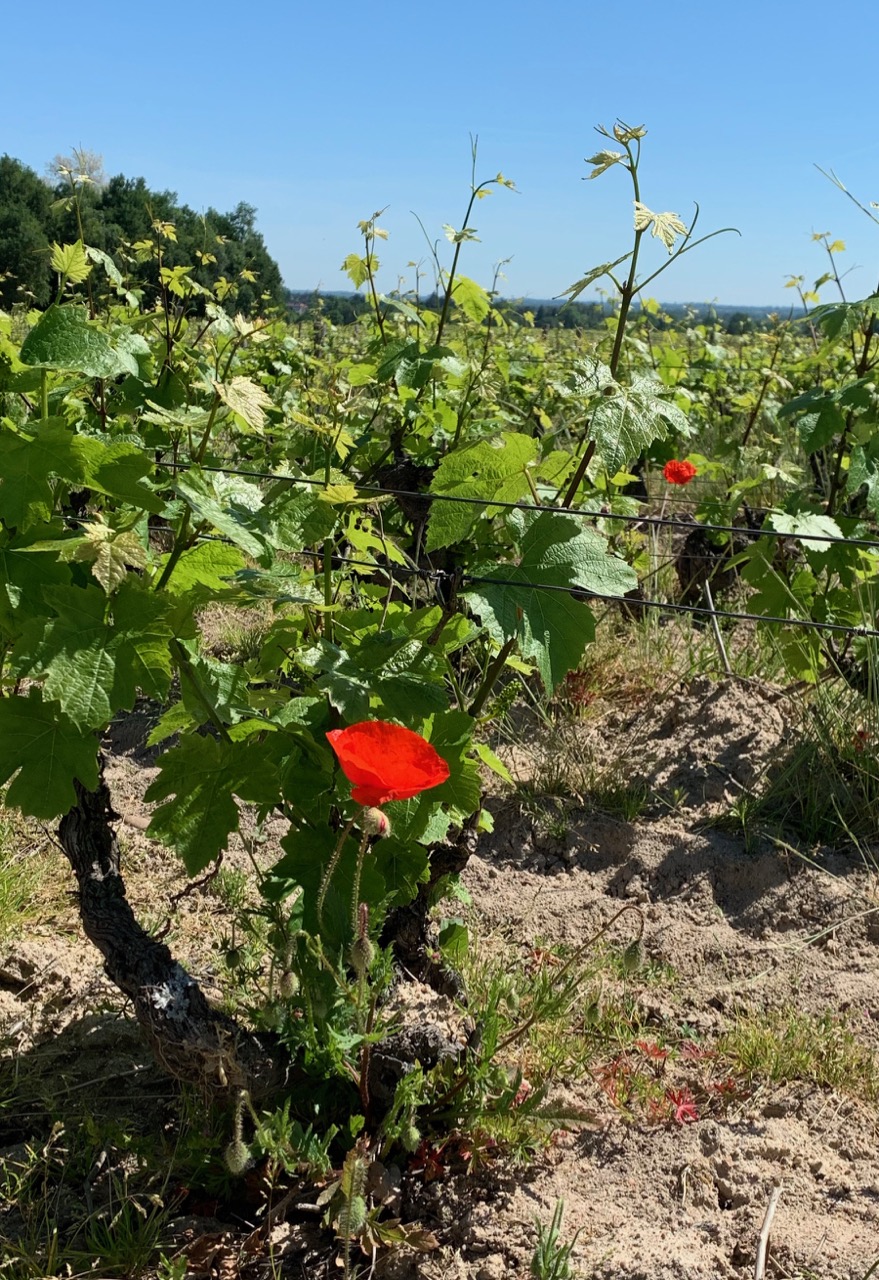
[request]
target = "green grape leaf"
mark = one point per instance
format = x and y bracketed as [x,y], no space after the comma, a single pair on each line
[230,504]
[177,719]
[70,260]
[203,813]
[357,269]
[451,733]
[204,568]
[819,428]
[246,399]
[24,574]
[626,419]
[203,775]
[864,473]
[27,460]
[63,338]
[225,684]
[403,866]
[91,666]
[841,319]
[104,259]
[494,468]
[298,519]
[552,627]
[471,298]
[48,752]
[806,524]
[117,469]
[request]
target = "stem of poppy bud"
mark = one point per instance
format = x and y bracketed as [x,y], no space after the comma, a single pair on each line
[328,874]
[491,676]
[355,891]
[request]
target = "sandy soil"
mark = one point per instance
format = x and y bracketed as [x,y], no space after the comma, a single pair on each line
[757,927]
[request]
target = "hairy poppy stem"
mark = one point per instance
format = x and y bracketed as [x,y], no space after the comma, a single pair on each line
[355,890]
[328,874]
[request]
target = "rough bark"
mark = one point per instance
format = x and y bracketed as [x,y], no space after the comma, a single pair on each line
[189,1038]
[407,928]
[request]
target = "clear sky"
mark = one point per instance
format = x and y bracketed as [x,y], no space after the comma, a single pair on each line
[320,114]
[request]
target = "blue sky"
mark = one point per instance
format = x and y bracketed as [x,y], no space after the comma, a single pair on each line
[320,114]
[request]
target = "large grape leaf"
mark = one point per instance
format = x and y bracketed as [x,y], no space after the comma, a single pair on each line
[806,525]
[406,676]
[231,504]
[864,473]
[63,338]
[116,468]
[48,751]
[24,573]
[92,663]
[203,775]
[552,627]
[473,300]
[204,568]
[246,399]
[626,419]
[27,460]
[491,469]
[295,520]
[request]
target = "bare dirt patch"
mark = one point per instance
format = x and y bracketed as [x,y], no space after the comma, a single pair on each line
[738,929]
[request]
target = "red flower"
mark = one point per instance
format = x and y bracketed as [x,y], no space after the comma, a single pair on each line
[386,762]
[677,472]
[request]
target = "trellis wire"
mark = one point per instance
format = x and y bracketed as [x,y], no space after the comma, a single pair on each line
[379,491]
[633,602]
[583,593]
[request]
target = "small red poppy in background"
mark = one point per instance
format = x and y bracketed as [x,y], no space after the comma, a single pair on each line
[679,472]
[386,762]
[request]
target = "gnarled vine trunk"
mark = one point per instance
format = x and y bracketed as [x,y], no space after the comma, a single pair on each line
[189,1038]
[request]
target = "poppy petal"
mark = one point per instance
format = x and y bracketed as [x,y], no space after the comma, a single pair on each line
[386,761]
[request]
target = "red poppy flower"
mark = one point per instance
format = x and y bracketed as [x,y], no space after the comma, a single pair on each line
[386,762]
[677,472]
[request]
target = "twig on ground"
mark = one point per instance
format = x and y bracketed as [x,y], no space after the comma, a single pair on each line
[763,1244]
[718,638]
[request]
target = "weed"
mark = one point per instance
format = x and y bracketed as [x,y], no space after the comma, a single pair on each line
[619,797]
[20,876]
[551,1259]
[171,1268]
[839,742]
[783,1045]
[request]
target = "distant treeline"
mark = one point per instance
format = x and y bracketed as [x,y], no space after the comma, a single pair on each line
[345,308]
[116,215]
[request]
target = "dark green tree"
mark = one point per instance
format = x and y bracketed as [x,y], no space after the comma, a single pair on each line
[25,223]
[113,216]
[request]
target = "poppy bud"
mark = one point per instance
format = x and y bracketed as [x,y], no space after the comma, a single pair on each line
[374,822]
[237,1156]
[289,984]
[411,1136]
[361,955]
